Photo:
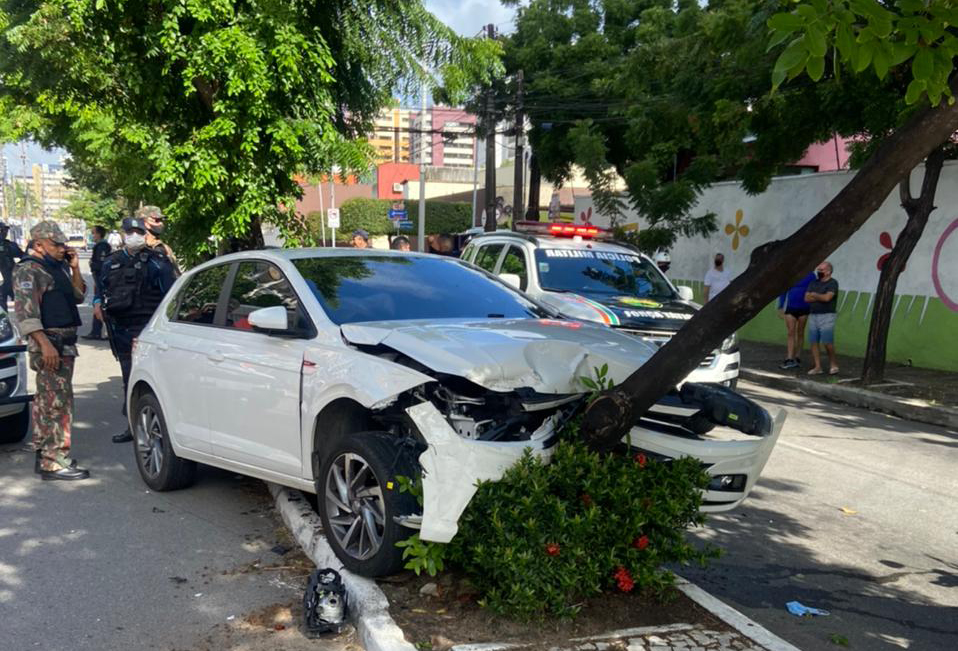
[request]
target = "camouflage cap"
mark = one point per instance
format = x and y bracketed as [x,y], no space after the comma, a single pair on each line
[48,230]
[147,212]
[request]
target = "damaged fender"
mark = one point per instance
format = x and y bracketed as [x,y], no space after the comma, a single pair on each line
[452,466]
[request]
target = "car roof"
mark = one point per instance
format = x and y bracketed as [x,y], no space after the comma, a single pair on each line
[289,255]
[551,242]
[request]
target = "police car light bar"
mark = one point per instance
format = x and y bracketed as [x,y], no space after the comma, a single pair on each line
[562,230]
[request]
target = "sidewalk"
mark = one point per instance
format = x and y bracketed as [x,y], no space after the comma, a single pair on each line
[919,394]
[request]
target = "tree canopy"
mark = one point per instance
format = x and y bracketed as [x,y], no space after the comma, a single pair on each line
[208,109]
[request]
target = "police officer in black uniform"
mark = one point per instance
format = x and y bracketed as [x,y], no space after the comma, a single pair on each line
[133,281]
[9,253]
[101,250]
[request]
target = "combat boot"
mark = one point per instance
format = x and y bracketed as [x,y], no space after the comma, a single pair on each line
[123,437]
[36,464]
[66,474]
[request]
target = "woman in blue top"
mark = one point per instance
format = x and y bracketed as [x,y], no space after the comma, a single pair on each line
[793,308]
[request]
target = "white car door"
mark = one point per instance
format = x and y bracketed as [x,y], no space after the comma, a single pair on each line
[183,362]
[254,399]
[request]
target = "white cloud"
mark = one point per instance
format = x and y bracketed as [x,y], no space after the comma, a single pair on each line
[467,17]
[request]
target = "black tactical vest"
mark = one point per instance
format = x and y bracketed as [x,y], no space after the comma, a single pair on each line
[128,296]
[58,307]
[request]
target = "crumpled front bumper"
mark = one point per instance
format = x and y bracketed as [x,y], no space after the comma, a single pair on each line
[452,466]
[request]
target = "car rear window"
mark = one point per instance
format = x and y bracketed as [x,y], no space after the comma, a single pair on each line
[373,288]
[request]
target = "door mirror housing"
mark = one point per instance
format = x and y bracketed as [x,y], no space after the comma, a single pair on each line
[271,319]
[511,279]
[685,293]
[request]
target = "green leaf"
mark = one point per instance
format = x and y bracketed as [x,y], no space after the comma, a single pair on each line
[816,67]
[778,37]
[785,22]
[881,60]
[816,41]
[881,28]
[901,52]
[794,55]
[915,90]
[864,57]
[845,41]
[778,76]
[923,65]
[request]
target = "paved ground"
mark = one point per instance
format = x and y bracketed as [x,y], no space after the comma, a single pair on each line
[107,564]
[856,513]
[679,637]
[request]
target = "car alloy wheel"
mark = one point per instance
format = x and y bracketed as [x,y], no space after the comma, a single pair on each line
[355,506]
[149,440]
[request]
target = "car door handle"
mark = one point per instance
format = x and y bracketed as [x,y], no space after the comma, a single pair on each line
[215,356]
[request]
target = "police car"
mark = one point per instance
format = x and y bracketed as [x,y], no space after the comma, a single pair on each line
[14,401]
[582,274]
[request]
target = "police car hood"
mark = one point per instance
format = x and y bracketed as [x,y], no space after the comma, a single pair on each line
[548,356]
[620,310]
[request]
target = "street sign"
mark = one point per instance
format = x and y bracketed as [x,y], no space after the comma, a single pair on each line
[397,215]
[332,217]
[404,223]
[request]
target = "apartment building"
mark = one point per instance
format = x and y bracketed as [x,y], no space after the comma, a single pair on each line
[442,136]
[390,136]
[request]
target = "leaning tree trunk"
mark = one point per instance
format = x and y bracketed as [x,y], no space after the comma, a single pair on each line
[251,241]
[918,211]
[774,267]
[535,180]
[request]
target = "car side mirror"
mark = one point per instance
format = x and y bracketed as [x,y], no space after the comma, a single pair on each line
[685,293]
[511,279]
[271,319]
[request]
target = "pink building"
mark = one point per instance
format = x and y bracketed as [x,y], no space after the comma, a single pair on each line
[825,156]
[444,137]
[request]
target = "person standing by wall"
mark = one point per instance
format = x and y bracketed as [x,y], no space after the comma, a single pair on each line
[822,299]
[101,249]
[9,253]
[794,310]
[47,293]
[133,282]
[716,279]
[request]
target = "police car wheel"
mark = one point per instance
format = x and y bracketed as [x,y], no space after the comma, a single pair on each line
[359,497]
[14,428]
[158,464]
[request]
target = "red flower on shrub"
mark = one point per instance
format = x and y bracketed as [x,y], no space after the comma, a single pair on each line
[586,499]
[641,460]
[641,542]
[624,580]
[552,549]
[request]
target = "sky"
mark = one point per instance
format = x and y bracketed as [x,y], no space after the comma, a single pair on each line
[467,17]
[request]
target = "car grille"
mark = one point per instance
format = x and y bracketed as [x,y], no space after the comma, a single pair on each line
[659,338]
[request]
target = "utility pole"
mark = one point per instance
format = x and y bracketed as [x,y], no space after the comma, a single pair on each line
[490,150]
[422,172]
[517,209]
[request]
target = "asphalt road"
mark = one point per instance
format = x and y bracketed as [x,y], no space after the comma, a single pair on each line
[856,513]
[107,564]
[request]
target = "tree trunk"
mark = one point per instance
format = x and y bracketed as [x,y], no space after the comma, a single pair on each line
[252,241]
[918,211]
[774,267]
[535,180]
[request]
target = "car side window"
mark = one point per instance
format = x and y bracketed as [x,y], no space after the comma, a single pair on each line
[199,298]
[488,256]
[257,285]
[515,263]
[468,252]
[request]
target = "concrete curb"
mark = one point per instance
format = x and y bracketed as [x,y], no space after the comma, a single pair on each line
[369,606]
[379,632]
[741,623]
[909,409]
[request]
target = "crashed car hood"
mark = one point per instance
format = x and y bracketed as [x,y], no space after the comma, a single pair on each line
[622,311]
[548,356]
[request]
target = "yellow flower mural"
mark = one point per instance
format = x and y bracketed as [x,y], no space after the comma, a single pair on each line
[739,229]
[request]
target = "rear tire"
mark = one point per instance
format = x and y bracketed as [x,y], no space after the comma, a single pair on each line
[359,496]
[158,464]
[14,428]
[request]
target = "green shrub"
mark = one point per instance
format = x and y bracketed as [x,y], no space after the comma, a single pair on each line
[372,215]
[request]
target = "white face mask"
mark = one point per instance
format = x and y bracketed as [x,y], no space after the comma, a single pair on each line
[134,241]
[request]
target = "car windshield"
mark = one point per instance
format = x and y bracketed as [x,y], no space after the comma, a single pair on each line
[585,271]
[386,288]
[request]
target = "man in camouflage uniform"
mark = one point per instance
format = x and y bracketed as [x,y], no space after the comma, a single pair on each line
[47,289]
[155,225]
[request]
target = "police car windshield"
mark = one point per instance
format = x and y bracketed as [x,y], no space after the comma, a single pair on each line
[386,288]
[585,271]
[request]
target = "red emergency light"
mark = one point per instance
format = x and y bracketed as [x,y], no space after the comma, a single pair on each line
[562,230]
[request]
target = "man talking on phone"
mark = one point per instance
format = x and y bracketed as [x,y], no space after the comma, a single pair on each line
[47,288]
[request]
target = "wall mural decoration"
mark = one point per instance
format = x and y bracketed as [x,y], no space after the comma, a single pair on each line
[739,229]
[950,301]
[885,240]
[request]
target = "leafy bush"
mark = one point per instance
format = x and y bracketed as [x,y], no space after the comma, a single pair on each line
[372,215]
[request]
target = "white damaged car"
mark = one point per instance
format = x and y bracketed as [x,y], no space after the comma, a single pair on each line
[335,371]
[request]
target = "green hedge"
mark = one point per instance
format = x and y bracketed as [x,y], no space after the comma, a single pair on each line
[373,215]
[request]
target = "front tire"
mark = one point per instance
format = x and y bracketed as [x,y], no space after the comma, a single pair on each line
[359,497]
[14,428]
[158,464]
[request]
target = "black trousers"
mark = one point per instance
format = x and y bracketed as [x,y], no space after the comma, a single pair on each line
[96,329]
[123,337]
